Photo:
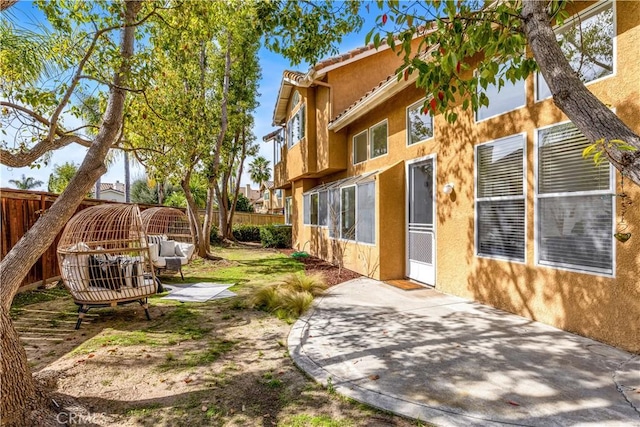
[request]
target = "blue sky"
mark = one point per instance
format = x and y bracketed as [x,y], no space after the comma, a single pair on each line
[272,67]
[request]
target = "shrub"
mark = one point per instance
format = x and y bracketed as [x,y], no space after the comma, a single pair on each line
[214,236]
[246,232]
[290,298]
[266,298]
[296,302]
[275,236]
[300,282]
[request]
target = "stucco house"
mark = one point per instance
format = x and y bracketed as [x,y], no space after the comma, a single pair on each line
[499,207]
[112,191]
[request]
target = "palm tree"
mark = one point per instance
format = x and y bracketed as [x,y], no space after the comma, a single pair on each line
[26,183]
[259,170]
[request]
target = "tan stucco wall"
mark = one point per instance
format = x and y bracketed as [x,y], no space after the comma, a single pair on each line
[607,309]
[353,80]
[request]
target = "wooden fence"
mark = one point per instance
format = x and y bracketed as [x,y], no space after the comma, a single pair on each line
[252,218]
[21,209]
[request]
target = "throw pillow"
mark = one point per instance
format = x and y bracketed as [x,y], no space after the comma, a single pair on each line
[167,248]
[179,252]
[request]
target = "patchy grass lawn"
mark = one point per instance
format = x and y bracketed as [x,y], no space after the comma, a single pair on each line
[217,363]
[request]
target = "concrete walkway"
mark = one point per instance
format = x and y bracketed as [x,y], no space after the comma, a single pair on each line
[453,362]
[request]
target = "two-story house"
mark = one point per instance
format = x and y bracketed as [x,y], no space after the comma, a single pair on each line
[499,207]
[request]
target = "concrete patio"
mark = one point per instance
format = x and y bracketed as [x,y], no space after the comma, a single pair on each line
[453,362]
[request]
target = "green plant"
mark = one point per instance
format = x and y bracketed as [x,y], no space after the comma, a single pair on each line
[313,283]
[289,298]
[297,302]
[266,298]
[214,236]
[299,255]
[246,232]
[275,236]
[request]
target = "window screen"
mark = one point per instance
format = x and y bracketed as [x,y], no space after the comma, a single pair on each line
[501,208]
[574,203]
[379,140]
[365,220]
[587,43]
[360,148]
[348,213]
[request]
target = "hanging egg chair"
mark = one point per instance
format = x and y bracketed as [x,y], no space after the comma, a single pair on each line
[104,258]
[171,242]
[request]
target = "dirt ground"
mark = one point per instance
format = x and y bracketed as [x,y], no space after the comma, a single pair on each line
[218,363]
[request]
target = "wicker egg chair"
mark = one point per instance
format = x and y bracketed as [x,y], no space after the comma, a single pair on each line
[171,242]
[104,258]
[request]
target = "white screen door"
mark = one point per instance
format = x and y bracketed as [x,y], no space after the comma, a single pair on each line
[420,231]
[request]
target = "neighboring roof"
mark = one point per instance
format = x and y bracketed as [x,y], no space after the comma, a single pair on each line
[291,79]
[267,184]
[118,186]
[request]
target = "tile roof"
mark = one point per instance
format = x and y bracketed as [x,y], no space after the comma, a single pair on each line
[117,186]
[345,56]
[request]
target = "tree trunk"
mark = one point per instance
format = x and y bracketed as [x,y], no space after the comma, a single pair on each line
[594,119]
[18,386]
[194,217]
[127,178]
[208,219]
[13,370]
[236,190]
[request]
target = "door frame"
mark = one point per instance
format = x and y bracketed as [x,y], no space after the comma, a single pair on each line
[408,164]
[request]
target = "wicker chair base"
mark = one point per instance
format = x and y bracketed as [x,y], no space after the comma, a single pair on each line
[83,308]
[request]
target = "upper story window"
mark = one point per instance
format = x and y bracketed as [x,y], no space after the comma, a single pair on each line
[587,43]
[378,139]
[266,195]
[574,203]
[277,147]
[503,96]
[296,127]
[370,144]
[500,200]
[419,125]
[295,98]
[360,144]
[288,210]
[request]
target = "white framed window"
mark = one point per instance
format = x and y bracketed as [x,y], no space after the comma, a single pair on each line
[323,209]
[288,205]
[266,195]
[587,41]
[419,124]
[333,197]
[348,212]
[366,212]
[306,209]
[295,98]
[345,207]
[314,209]
[360,144]
[504,96]
[574,204]
[296,126]
[378,140]
[500,198]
